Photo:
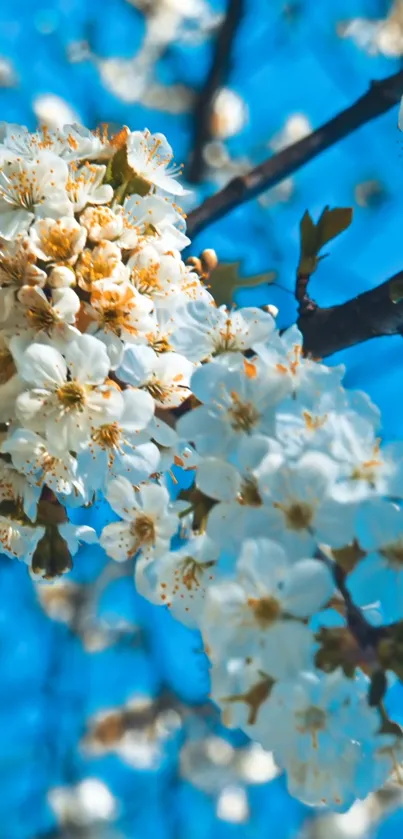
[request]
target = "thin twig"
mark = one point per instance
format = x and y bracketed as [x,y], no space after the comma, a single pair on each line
[381,97]
[216,77]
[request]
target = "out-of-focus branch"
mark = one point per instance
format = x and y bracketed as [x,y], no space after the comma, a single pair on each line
[381,96]
[216,77]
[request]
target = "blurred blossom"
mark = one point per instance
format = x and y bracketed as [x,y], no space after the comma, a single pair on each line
[213,765]
[229,113]
[296,128]
[370,193]
[53,111]
[383,36]
[8,76]
[232,805]
[88,801]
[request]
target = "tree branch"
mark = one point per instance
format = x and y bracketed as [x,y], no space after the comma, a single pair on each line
[369,315]
[381,96]
[216,77]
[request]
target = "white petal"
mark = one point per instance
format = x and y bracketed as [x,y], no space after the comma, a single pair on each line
[154,499]
[117,541]
[122,498]
[218,479]
[138,409]
[88,360]
[42,365]
[309,586]
[137,364]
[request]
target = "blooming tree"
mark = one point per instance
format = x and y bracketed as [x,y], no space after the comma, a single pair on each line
[120,374]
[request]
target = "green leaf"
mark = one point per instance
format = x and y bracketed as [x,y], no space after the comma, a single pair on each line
[309,236]
[332,223]
[396,290]
[225,280]
[313,236]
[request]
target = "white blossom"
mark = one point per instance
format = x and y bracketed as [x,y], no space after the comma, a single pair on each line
[149,156]
[30,190]
[67,397]
[148,520]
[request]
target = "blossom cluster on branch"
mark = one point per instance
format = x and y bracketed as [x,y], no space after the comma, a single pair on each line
[116,365]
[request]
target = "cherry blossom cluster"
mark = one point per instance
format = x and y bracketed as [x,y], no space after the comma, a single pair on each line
[118,375]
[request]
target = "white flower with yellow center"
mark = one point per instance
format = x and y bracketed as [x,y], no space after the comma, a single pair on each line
[261,608]
[305,379]
[205,330]
[54,316]
[32,189]
[118,314]
[101,223]
[239,512]
[66,397]
[17,540]
[166,376]
[150,158]
[17,269]
[318,424]
[105,223]
[159,218]
[149,520]
[179,579]
[72,142]
[320,727]
[104,262]
[164,278]
[299,501]
[120,447]
[33,458]
[239,398]
[59,240]
[84,186]
[366,467]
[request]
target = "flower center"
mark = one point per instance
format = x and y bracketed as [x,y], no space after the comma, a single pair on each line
[249,493]
[41,317]
[191,572]
[71,395]
[159,343]
[92,268]
[312,422]
[143,530]
[311,721]
[58,242]
[49,463]
[298,515]
[244,415]
[107,436]
[157,390]
[265,610]
[368,470]
[147,280]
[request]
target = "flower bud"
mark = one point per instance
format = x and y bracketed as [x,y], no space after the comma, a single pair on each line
[209,260]
[62,277]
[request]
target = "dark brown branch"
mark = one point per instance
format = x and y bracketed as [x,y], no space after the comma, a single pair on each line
[381,96]
[369,315]
[215,79]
